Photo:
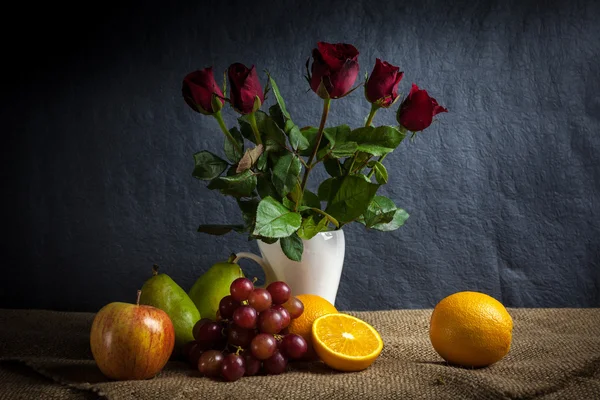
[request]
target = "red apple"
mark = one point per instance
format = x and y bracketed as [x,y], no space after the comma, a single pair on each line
[131,341]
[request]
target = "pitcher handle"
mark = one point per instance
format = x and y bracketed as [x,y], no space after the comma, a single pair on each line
[269,277]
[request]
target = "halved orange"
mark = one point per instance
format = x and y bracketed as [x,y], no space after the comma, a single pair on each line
[345,343]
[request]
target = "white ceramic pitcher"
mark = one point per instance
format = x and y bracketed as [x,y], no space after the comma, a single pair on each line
[318,272]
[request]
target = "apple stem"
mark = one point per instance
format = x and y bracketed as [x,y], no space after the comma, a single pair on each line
[139,293]
[154,270]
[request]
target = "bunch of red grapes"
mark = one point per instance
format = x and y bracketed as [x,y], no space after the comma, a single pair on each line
[250,334]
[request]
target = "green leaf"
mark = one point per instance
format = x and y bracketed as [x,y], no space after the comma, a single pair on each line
[220,229]
[376,141]
[273,220]
[261,164]
[232,153]
[342,150]
[250,158]
[294,194]
[246,128]
[399,219]
[288,203]
[310,199]
[381,174]
[286,172]
[333,167]
[297,140]
[310,134]
[278,98]
[292,247]
[265,186]
[277,115]
[326,187]
[337,134]
[238,185]
[351,199]
[310,227]
[208,166]
[381,211]
[324,152]
[274,137]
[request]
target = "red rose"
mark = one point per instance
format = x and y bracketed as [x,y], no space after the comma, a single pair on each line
[245,86]
[336,65]
[382,86]
[198,89]
[417,110]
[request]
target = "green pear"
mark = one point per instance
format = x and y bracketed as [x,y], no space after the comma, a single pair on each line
[213,285]
[162,292]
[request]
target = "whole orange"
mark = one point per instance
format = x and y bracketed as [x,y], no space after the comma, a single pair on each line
[314,307]
[470,329]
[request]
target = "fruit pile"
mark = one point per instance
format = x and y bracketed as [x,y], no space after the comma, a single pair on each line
[250,333]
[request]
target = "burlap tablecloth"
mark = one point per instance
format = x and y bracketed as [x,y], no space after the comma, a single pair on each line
[555,354]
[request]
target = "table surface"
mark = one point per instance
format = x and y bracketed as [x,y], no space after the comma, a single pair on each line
[555,354]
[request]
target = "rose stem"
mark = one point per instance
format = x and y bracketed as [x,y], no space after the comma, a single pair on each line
[326,104]
[219,119]
[254,126]
[372,113]
[137,302]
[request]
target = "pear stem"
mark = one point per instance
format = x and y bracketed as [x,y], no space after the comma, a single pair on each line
[139,293]
[154,270]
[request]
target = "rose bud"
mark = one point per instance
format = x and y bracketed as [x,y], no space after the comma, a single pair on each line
[382,86]
[336,66]
[417,110]
[198,90]
[245,88]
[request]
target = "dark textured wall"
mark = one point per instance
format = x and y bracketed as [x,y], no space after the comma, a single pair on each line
[503,191]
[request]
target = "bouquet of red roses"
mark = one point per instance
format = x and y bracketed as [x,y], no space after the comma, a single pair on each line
[269,157]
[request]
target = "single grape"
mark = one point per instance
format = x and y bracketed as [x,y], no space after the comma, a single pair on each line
[260,299]
[239,336]
[294,346]
[280,292]
[210,363]
[227,306]
[263,346]
[195,355]
[208,332]
[245,317]
[197,326]
[270,321]
[294,306]
[252,364]
[241,288]
[285,315]
[187,348]
[276,364]
[233,367]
